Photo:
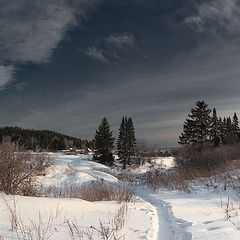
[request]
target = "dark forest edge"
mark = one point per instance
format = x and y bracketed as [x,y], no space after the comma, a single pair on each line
[41,140]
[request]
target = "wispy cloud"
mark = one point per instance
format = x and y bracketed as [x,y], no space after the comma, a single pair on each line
[216,16]
[6,75]
[121,40]
[110,49]
[98,54]
[31,30]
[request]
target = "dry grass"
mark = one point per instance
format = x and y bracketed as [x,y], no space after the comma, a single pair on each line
[92,191]
[105,231]
[103,191]
[35,230]
[231,211]
[183,179]
[213,167]
[210,161]
[166,179]
[43,229]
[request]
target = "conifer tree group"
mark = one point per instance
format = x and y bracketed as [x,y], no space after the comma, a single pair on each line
[203,129]
[126,141]
[104,142]
[43,140]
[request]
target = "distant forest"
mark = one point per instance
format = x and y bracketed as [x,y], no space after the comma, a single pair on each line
[31,139]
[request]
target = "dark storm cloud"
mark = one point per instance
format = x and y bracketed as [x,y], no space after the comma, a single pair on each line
[147,59]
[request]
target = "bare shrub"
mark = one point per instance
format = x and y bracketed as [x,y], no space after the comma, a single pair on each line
[18,170]
[167,179]
[91,191]
[103,191]
[209,162]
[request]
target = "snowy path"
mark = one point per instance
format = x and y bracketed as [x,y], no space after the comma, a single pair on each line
[168,227]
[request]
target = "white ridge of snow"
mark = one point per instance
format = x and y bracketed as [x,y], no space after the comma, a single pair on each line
[74,169]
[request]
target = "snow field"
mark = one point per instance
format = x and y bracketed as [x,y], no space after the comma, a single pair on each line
[204,213]
[141,221]
[140,216]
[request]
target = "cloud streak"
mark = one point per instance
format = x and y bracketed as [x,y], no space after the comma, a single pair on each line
[216,16]
[97,54]
[111,48]
[121,40]
[6,75]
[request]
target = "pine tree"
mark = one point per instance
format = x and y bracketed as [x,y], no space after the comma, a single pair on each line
[126,141]
[196,129]
[104,143]
[215,130]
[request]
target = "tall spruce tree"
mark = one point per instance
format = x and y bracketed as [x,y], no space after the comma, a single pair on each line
[104,143]
[196,129]
[235,126]
[122,142]
[215,130]
[126,141]
[224,131]
[221,130]
[229,131]
[131,140]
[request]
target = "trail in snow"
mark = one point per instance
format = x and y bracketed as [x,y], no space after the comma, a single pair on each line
[169,227]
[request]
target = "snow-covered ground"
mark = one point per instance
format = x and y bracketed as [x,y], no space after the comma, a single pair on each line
[157,215]
[156,162]
[74,169]
[203,214]
[141,216]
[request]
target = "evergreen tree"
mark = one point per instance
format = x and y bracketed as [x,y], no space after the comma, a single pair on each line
[104,143]
[31,139]
[131,140]
[196,129]
[221,130]
[122,142]
[229,131]
[126,141]
[235,126]
[224,131]
[215,130]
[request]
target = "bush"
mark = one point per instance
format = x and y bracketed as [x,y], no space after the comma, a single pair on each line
[18,170]
[217,159]
[91,191]
[172,179]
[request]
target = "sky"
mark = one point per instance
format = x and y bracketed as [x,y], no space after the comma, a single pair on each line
[66,64]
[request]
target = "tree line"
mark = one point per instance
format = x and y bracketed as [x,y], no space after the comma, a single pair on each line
[204,129]
[126,142]
[31,139]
